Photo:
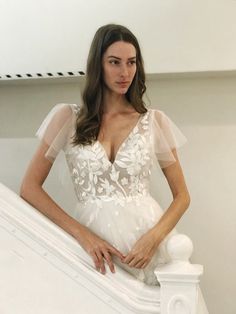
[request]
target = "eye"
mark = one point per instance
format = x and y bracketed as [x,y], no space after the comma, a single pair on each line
[113,62]
[132,62]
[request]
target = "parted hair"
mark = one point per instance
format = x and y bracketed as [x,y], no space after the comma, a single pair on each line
[89,116]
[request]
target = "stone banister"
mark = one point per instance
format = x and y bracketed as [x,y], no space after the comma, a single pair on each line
[24,227]
[179,279]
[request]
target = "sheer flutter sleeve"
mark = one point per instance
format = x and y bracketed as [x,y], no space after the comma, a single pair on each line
[165,136]
[56,129]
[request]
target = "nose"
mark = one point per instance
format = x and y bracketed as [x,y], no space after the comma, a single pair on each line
[124,70]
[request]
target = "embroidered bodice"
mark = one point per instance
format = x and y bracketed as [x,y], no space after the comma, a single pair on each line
[96,178]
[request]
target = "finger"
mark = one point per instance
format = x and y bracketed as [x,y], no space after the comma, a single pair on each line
[144,265]
[109,261]
[128,258]
[101,261]
[95,260]
[116,252]
[140,264]
[134,262]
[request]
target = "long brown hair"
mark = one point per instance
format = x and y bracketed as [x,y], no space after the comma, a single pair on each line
[89,116]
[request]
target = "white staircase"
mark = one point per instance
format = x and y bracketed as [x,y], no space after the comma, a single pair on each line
[44,270]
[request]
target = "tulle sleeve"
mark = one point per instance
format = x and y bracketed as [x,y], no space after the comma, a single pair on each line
[165,136]
[56,129]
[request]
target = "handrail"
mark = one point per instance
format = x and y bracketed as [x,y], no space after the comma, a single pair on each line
[178,279]
[24,221]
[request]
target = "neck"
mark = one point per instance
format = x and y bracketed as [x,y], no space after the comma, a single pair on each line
[113,103]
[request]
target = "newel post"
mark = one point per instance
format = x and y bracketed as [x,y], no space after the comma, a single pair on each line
[179,278]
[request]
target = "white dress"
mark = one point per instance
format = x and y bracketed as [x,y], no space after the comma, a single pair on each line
[113,197]
[114,200]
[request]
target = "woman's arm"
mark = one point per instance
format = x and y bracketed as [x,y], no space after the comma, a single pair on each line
[31,190]
[181,200]
[144,249]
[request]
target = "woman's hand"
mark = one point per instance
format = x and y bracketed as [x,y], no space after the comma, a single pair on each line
[143,251]
[98,249]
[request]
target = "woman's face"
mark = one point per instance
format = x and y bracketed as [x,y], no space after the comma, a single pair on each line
[119,66]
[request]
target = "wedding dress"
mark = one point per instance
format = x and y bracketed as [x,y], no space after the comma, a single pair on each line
[113,197]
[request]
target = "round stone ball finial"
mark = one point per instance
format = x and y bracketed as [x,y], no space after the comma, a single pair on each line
[179,247]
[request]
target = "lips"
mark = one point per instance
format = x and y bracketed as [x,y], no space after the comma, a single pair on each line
[123,83]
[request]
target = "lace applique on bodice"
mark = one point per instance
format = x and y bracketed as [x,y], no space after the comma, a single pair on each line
[96,178]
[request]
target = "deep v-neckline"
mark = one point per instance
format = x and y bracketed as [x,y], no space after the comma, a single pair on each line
[123,142]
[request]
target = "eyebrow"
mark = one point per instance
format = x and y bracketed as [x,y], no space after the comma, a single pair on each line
[120,58]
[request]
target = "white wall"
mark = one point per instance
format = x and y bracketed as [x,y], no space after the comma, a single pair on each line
[204,109]
[175,36]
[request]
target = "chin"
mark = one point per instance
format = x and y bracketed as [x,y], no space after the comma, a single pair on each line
[123,90]
[119,91]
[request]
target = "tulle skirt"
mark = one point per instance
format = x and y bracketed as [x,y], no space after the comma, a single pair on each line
[122,224]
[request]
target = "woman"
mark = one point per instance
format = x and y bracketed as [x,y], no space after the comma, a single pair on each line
[111,142]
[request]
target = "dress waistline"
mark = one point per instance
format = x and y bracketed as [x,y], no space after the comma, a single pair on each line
[127,198]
